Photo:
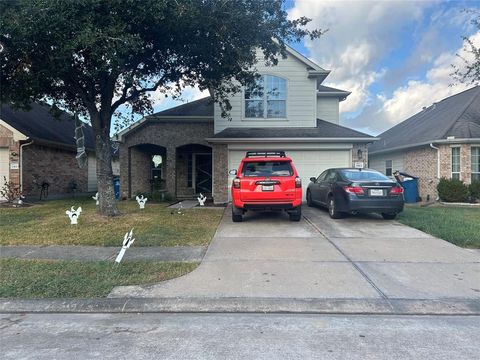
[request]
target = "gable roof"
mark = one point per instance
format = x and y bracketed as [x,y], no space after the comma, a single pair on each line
[202,107]
[323,131]
[457,116]
[38,124]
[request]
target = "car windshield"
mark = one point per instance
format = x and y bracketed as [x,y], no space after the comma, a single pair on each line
[267,168]
[363,175]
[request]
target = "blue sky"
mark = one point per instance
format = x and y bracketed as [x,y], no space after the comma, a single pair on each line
[394,56]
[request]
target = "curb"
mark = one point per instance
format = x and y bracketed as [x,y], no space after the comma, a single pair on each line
[245,305]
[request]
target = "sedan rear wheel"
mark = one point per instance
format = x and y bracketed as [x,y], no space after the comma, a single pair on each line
[332,209]
[389,216]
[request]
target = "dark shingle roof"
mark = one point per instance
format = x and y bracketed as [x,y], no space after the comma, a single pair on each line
[324,129]
[39,124]
[201,107]
[457,115]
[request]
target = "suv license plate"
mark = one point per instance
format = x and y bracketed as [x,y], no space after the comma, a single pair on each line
[267,187]
[376,192]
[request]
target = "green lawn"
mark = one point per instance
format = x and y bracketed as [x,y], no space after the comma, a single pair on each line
[50,279]
[458,225]
[47,224]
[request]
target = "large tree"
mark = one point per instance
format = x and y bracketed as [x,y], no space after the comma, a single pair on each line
[97,58]
[469,70]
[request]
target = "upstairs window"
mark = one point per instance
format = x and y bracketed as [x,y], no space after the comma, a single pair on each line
[475,163]
[267,98]
[388,167]
[456,163]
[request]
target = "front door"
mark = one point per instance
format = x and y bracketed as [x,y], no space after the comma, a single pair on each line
[203,173]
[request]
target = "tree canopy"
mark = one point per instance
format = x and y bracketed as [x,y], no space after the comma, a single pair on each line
[93,56]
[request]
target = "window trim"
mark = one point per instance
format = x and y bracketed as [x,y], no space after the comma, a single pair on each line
[471,163]
[459,162]
[389,167]
[265,109]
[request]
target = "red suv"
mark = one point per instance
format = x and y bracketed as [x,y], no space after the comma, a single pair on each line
[266,180]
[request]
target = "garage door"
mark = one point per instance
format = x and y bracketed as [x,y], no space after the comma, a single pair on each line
[4,167]
[309,163]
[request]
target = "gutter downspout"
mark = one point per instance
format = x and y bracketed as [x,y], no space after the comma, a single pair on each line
[21,163]
[438,163]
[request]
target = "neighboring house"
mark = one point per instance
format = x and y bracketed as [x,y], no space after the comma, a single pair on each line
[36,148]
[189,149]
[442,140]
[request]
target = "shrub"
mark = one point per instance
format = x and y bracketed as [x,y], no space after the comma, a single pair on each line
[10,191]
[452,190]
[474,189]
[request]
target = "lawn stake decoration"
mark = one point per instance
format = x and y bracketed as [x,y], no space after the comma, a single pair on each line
[74,215]
[179,209]
[141,201]
[96,199]
[127,241]
[201,199]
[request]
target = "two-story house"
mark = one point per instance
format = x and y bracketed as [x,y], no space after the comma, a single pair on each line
[190,148]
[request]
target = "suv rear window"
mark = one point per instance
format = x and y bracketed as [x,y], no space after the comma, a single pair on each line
[267,168]
[363,175]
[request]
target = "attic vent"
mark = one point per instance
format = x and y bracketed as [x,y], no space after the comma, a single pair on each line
[424,108]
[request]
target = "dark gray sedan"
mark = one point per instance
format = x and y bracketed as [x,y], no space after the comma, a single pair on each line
[347,190]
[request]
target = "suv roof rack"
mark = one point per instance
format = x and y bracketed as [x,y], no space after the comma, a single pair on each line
[266,153]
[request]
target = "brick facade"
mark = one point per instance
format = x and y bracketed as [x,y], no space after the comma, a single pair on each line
[422,162]
[56,166]
[169,135]
[7,141]
[220,173]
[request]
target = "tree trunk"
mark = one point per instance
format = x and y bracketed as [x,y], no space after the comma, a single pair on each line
[103,148]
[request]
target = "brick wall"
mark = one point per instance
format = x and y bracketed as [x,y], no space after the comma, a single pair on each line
[168,134]
[7,141]
[465,161]
[220,173]
[422,162]
[56,166]
[360,154]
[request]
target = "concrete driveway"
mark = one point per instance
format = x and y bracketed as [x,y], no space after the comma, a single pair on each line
[267,256]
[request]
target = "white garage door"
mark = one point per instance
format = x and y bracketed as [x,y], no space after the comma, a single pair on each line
[4,167]
[309,163]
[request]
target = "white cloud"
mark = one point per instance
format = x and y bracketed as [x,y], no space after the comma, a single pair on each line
[360,34]
[409,99]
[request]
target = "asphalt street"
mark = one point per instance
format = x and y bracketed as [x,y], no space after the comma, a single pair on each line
[238,336]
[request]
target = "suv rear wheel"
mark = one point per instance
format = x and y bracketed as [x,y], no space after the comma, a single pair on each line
[296,215]
[237,214]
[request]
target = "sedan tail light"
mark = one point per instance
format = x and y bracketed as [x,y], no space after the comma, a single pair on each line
[298,182]
[236,183]
[396,190]
[357,190]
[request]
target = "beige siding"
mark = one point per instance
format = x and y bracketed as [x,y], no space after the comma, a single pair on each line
[327,109]
[377,162]
[4,167]
[92,173]
[301,99]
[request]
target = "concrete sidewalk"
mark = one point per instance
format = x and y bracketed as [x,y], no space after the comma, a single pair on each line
[91,253]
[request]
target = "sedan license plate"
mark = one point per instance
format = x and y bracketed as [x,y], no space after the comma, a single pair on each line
[267,187]
[376,192]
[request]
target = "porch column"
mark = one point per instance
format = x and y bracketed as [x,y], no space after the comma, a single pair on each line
[171,171]
[220,173]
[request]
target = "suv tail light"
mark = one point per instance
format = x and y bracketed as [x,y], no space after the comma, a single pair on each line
[396,190]
[236,183]
[298,182]
[357,190]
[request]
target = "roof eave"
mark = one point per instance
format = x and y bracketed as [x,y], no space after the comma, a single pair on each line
[293,139]
[424,143]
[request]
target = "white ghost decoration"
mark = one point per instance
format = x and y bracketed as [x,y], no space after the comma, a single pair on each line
[141,201]
[96,198]
[127,241]
[201,199]
[74,215]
